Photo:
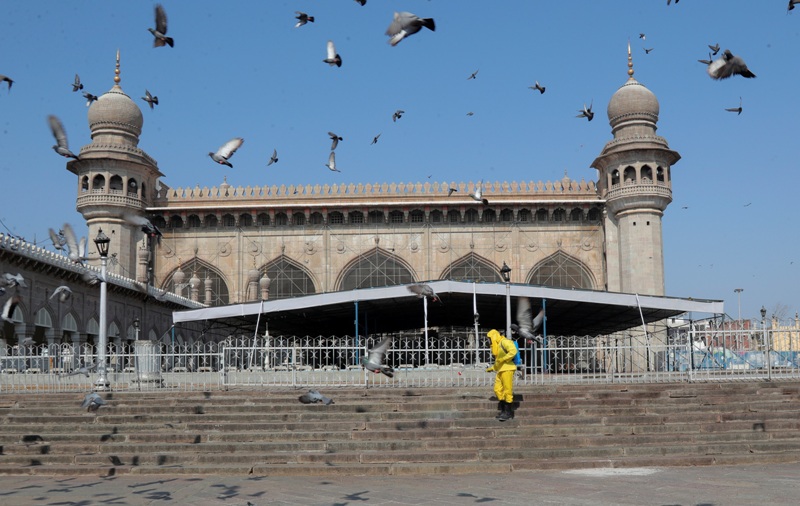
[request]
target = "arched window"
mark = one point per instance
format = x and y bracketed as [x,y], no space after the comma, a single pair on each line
[396,217]
[559,270]
[193,221]
[115,184]
[594,214]
[472,268]
[374,269]
[489,216]
[316,218]
[437,216]
[203,271]
[507,215]
[615,177]
[299,219]
[541,215]
[132,187]
[245,220]
[660,174]
[159,222]
[576,215]
[647,174]
[98,182]
[263,220]
[355,217]
[211,221]
[175,221]
[453,216]
[629,175]
[288,278]
[228,220]
[281,219]
[85,184]
[471,216]
[524,215]
[417,216]
[335,218]
[376,217]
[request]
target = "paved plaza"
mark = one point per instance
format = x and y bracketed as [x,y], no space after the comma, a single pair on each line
[773,484]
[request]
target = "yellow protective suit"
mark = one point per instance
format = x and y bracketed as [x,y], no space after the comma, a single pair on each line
[504,351]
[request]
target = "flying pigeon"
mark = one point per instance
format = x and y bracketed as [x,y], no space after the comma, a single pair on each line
[57,239]
[76,250]
[160,31]
[470,113]
[63,293]
[362,2]
[669,1]
[707,62]
[333,57]
[6,79]
[737,110]
[332,162]
[150,99]
[526,326]
[334,140]
[313,396]
[89,98]
[647,51]
[28,341]
[76,85]
[398,114]
[728,66]
[714,48]
[792,3]
[375,140]
[92,401]
[226,151]
[85,370]
[61,147]
[478,194]
[642,36]
[473,75]
[302,18]
[537,87]
[586,112]
[450,191]
[92,278]
[2,290]
[422,290]
[273,158]
[9,307]
[13,280]
[146,225]
[406,24]
[374,362]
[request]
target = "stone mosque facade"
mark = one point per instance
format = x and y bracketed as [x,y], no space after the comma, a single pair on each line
[227,245]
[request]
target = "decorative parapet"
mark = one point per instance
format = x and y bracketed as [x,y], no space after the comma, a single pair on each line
[565,188]
[109,199]
[31,251]
[658,188]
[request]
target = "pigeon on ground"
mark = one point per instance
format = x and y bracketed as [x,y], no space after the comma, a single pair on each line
[273,158]
[374,361]
[714,48]
[313,396]
[9,307]
[398,114]
[302,18]
[63,293]
[406,24]
[226,151]
[792,3]
[527,326]
[150,99]
[334,140]
[450,191]
[477,195]
[76,84]
[13,280]
[473,75]
[89,98]
[332,162]
[76,250]
[737,110]
[92,401]
[6,79]
[160,31]
[375,140]
[537,87]
[333,57]
[61,147]
[422,290]
[728,65]
[586,112]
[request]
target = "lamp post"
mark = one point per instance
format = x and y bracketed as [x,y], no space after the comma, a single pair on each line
[739,296]
[136,327]
[505,271]
[102,241]
[765,341]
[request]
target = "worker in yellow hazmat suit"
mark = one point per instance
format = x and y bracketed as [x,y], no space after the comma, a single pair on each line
[504,350]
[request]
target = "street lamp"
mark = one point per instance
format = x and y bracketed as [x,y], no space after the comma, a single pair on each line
[102,241]
[739,296]
[764,340]
[136,327]
[505,271]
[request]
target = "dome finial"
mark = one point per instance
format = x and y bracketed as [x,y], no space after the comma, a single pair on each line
[116,70]
[630,60]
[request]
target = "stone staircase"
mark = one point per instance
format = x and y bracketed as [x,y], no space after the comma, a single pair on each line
[400,431]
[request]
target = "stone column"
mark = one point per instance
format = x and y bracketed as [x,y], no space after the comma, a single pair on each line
[148,364]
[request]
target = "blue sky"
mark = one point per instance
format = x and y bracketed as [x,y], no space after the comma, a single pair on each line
[243,69]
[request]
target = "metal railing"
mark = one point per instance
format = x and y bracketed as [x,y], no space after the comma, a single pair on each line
[444,361]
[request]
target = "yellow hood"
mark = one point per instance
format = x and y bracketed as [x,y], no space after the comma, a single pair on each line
[495,337]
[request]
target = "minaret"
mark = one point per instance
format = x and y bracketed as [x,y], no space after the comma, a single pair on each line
[634,179]
[115,177]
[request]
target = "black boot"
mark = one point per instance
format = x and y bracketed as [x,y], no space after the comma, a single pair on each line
[499,409]
[506,414]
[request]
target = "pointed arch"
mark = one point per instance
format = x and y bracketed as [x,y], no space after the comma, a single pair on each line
[203,270]
[288,278]
[69,323]
[472,267]
[373,269]
[43,318]
[560,270]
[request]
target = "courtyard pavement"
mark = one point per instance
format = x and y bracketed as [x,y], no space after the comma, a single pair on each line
[773,484]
